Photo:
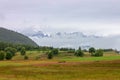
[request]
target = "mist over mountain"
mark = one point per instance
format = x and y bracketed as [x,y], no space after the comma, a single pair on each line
[74,17]
[61,39]
[75,39]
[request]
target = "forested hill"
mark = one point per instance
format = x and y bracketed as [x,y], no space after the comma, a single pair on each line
[10,36]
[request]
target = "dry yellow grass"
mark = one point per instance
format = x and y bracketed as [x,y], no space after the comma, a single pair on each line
[61,68]
[53,70]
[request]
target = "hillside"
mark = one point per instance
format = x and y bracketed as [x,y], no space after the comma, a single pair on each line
[14,37]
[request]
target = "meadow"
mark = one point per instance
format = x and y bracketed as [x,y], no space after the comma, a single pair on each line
[61,67]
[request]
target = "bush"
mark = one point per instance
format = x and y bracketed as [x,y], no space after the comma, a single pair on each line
[50,55]
[55,51]
[2,55]
[11,50]
[98,53]
[23,52]
[26,57]
[8,55]
[92,51]
[79,53]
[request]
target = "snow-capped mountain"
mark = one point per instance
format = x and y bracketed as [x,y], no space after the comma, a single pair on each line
[75,39]
[63,39]
[40,34]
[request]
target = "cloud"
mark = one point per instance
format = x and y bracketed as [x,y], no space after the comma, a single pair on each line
[59,15]
[2,17]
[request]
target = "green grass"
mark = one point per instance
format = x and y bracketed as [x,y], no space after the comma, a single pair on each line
[67,56]
[30,54]
[74,68]
[91,58]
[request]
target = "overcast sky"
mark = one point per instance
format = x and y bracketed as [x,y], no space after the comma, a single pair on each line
[100,17]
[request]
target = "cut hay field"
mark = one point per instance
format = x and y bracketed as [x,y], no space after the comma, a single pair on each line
[64,68]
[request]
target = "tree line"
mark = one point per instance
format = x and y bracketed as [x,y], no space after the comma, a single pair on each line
[79,52]
[9,50]
[8,53]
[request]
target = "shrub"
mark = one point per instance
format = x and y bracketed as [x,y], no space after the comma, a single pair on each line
[92,51]
[79,53]
[8,55]
[50,55]
[55,51]
[26,57]
[11,50]
[2,55]
[23,52]
[98,53]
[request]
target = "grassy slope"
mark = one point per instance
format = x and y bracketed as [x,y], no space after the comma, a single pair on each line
[86,68]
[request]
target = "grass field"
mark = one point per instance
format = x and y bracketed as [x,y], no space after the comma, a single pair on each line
[64,68]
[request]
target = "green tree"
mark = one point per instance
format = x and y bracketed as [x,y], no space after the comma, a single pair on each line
[3,45]
[79,48]
[55,51]
[8,55]
[92,51]
[50,55]
[2,55]
[23,51]
[11,50]
[98,53]
[79,53]
[19,48]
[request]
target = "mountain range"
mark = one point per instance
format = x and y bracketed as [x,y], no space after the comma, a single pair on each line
[75,39]
[60,39]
